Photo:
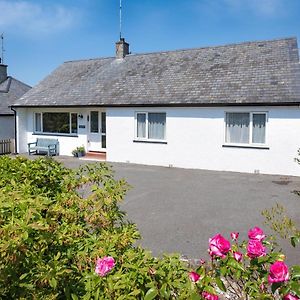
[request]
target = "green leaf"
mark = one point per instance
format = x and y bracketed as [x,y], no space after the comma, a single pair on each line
[195,296]
[275,286]
[295,240]
[295,286]
[23,276]
[53,283]
[296,272]
[151,294]
[74,297]
[234,264]
[220,284]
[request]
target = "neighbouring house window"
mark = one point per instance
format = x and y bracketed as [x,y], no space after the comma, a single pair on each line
[150,125]
[56,122]
[245,128]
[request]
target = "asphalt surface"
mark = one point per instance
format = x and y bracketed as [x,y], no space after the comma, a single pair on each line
[177,210]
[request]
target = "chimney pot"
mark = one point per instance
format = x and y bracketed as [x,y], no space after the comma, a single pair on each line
[3,72]
[122,48]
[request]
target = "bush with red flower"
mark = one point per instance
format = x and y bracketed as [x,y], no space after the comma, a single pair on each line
[247,270]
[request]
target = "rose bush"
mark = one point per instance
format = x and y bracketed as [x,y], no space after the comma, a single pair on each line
[246,270]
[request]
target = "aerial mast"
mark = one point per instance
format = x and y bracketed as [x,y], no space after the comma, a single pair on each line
[2,48]
[120,19]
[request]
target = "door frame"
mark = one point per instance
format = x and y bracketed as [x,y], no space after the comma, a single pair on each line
[100,136]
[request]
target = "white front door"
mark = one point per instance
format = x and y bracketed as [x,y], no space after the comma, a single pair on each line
[97,131]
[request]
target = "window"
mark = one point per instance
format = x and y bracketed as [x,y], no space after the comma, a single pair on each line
[246,128]
[150,126]
[53,122]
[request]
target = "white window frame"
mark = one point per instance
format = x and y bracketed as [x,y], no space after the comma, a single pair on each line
[250,143]
[147,139]
[54,133]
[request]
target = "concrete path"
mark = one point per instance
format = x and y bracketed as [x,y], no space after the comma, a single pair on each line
[177,210]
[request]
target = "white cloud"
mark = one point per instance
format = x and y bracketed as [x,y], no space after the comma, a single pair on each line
[260,7]
[35,19]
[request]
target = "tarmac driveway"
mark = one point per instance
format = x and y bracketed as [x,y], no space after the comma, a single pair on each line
[177,210]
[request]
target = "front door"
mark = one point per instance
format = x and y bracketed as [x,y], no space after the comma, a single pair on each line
[97,131]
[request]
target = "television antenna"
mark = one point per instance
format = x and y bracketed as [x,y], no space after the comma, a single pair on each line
[120,19]
[2,48]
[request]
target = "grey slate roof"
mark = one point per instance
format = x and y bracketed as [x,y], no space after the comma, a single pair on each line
[264,72]
[10,90]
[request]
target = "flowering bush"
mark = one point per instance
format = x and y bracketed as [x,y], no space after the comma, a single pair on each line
[63,236]
[247,270]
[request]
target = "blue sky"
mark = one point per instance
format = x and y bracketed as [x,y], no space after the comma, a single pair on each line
[42,34]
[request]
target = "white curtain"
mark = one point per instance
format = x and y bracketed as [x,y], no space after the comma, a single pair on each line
[237,127]
[259,128]
[141,125]
[157,125]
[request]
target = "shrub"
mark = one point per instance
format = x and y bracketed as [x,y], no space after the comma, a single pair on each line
[56,222]
[63,236]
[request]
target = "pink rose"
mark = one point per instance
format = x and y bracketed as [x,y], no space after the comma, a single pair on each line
[218,246]
[209,296]
[234,235]
[255,249]
[290,297]
[202,261]
[256,234]
[238,256]
[104,265]
[194,276]
[279,272]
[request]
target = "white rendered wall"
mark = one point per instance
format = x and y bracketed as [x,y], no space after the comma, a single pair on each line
[195,138]
[7,127]
[67,143]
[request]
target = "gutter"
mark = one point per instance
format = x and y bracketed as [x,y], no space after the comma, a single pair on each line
[15,118]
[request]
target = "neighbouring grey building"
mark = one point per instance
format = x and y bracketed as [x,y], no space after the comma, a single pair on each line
[10,90]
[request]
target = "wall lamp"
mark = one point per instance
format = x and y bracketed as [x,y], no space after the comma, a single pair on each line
[80,116]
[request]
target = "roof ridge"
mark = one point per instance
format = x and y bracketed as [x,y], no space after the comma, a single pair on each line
[188,49]
[19,81]
[8,79]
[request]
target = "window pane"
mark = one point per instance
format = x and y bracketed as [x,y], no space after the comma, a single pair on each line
[74,123]
[259,128]
[103,122]
[141,125]
[38,122]
[237,127]
[56,122]
[156,125]
[94,122]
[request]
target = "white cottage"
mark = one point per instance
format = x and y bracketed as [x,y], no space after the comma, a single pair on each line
[232,108]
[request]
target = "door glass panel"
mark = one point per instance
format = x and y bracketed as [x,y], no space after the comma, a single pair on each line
[103,122]
[103,141]
[94,122]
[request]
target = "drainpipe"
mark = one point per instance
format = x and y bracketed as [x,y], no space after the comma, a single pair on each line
[15,118]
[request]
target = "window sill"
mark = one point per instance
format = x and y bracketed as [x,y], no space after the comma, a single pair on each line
[151,141]
[55,134]
[265,147]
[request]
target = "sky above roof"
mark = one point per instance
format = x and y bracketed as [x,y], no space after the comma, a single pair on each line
[39,35]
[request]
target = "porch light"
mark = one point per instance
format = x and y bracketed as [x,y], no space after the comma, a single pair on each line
[80,116]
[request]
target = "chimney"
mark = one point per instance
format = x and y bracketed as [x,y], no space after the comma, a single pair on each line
[122,48]
[3,72]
